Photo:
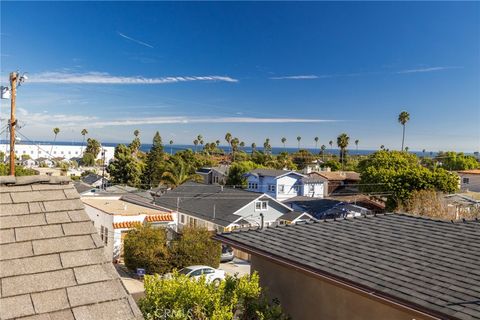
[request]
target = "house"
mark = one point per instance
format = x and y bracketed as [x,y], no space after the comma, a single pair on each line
[45,162]
[216,207]
[461,205]
[294,217]
[29,163]
[52,262]
[326,208]
[283,184]
[94,180]
[113,217]
[335,181]
[469,180]
[387,266]
[214,175]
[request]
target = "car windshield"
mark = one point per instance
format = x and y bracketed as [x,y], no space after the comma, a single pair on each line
[185,271]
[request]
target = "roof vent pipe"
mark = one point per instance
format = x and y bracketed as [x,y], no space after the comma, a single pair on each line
[261,221]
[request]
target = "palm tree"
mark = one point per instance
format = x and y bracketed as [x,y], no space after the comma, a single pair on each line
[217,142]
[56,131]
[406,149]
[382,147]
[267,146]
[356,144]
[342,142]
[331,146]
[171,151]
[84,133]
[178,174]
[254,147]
[316,143]
[195,142]
[136,133]
[403,118]
[323,147]
[201,143]
[298,139]
[423,153]
[234,144]
[228,138]
[283,141]
[242,144]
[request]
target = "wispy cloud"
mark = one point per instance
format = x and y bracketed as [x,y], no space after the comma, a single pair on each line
[297,77]
[426,69]
[134,40]
[106,78]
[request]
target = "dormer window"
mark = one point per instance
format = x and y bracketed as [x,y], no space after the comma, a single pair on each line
[261,205]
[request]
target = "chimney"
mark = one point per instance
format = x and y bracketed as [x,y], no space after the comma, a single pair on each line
[261,221]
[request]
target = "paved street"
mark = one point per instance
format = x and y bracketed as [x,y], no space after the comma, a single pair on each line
[241,267]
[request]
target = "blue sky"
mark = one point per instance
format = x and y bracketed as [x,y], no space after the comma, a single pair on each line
[256,70]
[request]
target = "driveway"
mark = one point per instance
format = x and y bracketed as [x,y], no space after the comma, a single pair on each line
[241,267]
[133,286]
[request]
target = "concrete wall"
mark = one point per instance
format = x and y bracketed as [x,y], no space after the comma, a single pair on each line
[305,297]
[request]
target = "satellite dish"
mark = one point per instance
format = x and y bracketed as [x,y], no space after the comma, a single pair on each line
[5,93]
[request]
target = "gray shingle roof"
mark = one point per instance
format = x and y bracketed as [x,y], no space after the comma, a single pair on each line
[199,200]
[91,178]
[52,261]
[271,172]
[427,264]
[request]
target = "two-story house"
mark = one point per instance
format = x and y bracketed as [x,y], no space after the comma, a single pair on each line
[283,184]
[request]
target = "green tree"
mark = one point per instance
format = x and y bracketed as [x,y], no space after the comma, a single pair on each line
[195,247]
[298,140]
[228,138]
[136,143]
[283,142]
[155,163]
[316,143]
[342,142]
[171,148]
[396,175]
[183,298]
[237,171]
[267,148]
[254,147]
[453,161]
[125,168]
[195,143]
[356,144]
[403,118]
[178,172]
[322,151]
[234,144]
[88,159]
[93,147]
[56,131]
[146,247]
[19,170]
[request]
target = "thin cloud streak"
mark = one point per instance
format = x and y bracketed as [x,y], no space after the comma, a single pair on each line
[299,77]
[426,69]
[106,78]
[135,40]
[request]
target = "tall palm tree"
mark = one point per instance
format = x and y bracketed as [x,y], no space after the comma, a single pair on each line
[84,133]
[298,139]
[228,138]
[56,131]
[423,153]
[283,141]
[195,142]
[242,144]
[217,142]
[323,147]
[254,147]
[316,143]
[170,143]
[178,174]
[356,144]
[403,118]
[342,142]
[406,149]
[267,146]
[234,143]
[382,147]
[331,146]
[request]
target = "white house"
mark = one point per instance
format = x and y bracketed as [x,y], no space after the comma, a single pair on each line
[469,180]
[113,217]
[284,184]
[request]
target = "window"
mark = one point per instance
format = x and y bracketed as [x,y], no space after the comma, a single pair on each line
[271,188]
[215,179]
[296,188]
[208,271]
[196,273]
[261,205]
[466,180]
[311,187]
[105,238]
[252,185]
[182,219]
[281,188]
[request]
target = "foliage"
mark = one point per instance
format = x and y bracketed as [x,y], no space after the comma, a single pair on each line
[238,170]
[180,297]
[155,162]
[456,161]
[19,170]
[195,247]
[93,147]
[333,164]
[88,159]
[396,175]
[342,142]
[2,156]
[178,172]
[302,158]
[25,157]
[145,247]
[125,168]
[135,144]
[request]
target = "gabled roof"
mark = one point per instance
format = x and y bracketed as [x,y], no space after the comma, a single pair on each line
[213,203]
[52,261]
[429,265]
[296,215]
[336,175]
[272,173]
[82,187]
[91,178]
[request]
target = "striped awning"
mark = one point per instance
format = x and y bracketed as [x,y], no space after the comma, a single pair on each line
[166,217]
[126,224]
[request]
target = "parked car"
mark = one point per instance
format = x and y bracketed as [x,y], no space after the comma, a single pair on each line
[227,253]
[211,274]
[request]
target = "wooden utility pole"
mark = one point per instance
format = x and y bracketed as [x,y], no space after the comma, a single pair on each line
[13,121]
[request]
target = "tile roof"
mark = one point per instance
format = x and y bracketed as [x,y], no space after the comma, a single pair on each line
[199,200]
[430,265]
[336,175]
[126,224]
[272,172]
[159,217]
[52,261]
[91,178]
[472,171]
[119,207]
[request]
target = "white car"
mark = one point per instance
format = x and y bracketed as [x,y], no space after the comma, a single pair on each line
[211,274]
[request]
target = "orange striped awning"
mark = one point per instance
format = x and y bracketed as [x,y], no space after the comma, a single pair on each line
[166,217]
[126,224]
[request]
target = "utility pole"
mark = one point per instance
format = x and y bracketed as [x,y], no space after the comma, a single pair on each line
[13,121]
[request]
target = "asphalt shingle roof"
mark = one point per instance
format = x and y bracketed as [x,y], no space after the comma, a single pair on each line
[91,178]
[52,261]
[199,200]
[431,265]
[271,172]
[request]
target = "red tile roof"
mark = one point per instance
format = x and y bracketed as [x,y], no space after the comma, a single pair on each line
[159,217]
[472,171]
[126,224]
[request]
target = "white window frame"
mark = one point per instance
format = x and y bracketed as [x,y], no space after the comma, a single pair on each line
[261,205]
[182,218]
[281,188]
[311,187]
[466,180]
[271,188]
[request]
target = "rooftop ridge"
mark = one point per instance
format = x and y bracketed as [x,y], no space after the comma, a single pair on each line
[28,180]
